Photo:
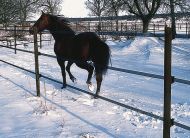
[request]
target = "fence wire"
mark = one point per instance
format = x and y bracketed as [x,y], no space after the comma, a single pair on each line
[182,81]
[111,33]
[101,97]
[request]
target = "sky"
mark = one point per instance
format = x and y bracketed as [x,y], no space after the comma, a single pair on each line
[74,8]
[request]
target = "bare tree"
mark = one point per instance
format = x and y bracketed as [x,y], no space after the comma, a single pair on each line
[172,7]
[179,6]
[25,8]
[12,11]
[113,9]
[144,9]
[97,8]
[8,12]
[51,6]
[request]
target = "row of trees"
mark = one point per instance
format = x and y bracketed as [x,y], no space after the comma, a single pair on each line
[20,10]
[143,9]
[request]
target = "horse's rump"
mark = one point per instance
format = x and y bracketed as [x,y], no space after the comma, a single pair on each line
[89,46]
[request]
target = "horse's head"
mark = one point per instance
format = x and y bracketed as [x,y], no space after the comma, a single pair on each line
[41,24]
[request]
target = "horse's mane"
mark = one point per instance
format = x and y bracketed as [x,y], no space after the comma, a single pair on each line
[59,19]
[63,23]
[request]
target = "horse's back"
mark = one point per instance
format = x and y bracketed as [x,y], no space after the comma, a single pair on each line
[90,36]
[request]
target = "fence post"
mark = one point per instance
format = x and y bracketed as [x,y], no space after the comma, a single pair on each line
[7,42]
[167,83]
[15,37]
[111,25]
[40,40]
[135,27]
[121,27]
[36,63]
[89,26]
[186,29]
[158,27]
[76,26]
[126,29]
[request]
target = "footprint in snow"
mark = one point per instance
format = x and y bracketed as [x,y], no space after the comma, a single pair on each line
[51,93]
[86,101]
[87,135]
[110,113]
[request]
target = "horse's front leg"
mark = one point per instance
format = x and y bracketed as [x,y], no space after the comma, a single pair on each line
[69,72]
[62,65]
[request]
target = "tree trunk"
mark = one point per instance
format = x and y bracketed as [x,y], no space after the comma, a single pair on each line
[116,21]
[145,25]
[172,13]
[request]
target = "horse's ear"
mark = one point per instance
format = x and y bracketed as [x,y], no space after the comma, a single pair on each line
[42,13]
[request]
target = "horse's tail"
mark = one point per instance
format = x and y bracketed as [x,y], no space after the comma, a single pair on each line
[101,56]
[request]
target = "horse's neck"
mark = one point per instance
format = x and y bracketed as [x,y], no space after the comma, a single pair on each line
[60,32]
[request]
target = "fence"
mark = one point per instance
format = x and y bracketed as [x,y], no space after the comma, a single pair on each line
[128,26]
[168,80]
[110,27]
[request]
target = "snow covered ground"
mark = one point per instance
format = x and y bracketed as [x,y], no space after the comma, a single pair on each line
[69,113]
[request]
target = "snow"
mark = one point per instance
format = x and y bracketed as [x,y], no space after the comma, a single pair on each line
[69,113]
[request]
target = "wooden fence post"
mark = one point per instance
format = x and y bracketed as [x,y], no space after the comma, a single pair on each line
[135,28]
[76,26]
[167,83]
[126,28]
[111,25]
[158,27]
[40,40]
[7,42]
[121,27]
[89,26]
[15,37]
[36,62]
[186,29]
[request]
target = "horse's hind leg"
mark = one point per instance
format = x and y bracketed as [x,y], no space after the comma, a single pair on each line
[87,67]
[62,65]
[69,72]
[99,81]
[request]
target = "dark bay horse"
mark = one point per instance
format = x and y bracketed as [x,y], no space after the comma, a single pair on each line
[75,48]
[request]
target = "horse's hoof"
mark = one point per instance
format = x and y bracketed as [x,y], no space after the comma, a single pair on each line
[95,96]
[74,80]
[90,87]
[63,87]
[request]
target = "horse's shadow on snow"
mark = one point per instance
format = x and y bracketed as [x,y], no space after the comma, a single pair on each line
[56,85]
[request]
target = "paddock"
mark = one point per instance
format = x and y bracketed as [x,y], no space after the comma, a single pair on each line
[167,77]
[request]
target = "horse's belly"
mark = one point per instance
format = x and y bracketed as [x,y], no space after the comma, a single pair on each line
[62,52]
